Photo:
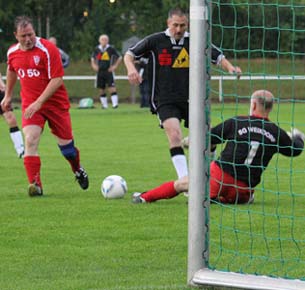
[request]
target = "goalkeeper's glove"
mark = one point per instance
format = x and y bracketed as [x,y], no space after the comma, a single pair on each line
[296,133]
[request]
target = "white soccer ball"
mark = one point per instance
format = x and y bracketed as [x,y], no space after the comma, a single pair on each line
[114,186]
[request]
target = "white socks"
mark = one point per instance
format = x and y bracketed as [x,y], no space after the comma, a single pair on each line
[114,100]
[180,164]
[104,102]
[18,143]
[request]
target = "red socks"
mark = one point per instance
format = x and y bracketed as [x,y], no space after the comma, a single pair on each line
[164,191]
[32,167]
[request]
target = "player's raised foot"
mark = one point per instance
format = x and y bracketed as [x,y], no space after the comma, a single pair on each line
[82,178]
[136,198]
[34,190]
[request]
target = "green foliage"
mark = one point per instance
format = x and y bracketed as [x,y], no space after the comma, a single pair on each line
[267,29]
[83,43]
[259,28]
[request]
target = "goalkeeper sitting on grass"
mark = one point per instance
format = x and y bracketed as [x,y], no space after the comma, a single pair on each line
[251,141]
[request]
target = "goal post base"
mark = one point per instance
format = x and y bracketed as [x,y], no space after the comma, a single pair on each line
[209,277]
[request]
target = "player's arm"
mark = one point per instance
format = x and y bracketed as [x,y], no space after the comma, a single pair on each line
[133,75]
[231,69]
[94,65]
[11,78]
[49,91]
[2,84]
[116,64]
[219,59]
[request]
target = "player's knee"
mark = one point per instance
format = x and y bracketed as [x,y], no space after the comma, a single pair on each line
[10,118]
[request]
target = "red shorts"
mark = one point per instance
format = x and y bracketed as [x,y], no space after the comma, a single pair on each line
[59,122]
[226,189]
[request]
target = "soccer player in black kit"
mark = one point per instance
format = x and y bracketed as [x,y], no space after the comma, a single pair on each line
[168,52]
[104,60]
[251,141]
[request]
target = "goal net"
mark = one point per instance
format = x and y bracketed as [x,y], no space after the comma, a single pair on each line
[259,245]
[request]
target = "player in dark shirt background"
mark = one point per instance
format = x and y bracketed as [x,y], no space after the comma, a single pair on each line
[104,61]
[168,52]
[251,141]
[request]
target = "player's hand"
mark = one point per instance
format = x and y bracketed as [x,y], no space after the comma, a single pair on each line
[31,110]
[296,133]
[236,70]
[94,67]
[134,77]
[111,68]
[6,105]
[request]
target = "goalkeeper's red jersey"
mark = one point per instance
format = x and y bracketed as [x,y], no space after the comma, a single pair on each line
[35,68]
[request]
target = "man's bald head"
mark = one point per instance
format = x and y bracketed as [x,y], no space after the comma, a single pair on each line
[261,103]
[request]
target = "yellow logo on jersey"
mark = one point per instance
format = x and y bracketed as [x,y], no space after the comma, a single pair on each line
[105,56]
[182,61]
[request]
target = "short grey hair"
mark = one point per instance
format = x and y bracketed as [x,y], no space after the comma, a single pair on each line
[264,98]
[22,21]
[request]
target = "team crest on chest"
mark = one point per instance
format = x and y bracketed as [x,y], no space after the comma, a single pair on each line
[36,59]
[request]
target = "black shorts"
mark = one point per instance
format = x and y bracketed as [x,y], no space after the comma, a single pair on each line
[105,78]
[178,110]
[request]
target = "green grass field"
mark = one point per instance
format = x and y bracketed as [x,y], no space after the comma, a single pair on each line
[74,239]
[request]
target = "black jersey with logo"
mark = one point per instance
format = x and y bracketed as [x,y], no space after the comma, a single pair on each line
[250,144]
[105,56]
[169,66]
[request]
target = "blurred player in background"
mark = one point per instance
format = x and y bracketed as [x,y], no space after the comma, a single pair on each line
[65,59]
[145,92]
[169,53]
[11,121]
[251,141]
[37,63]
[104,61]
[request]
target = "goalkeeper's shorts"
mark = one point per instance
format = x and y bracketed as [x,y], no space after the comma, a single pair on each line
[225,188]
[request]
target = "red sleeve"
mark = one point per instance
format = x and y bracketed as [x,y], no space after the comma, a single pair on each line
[11,49]
[56,68]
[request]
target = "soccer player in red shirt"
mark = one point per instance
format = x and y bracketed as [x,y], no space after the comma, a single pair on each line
[44,98]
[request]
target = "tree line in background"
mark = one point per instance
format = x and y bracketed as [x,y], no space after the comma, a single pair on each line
[249,29]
